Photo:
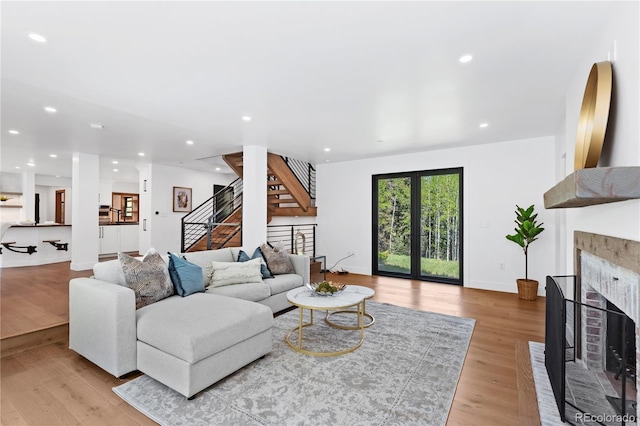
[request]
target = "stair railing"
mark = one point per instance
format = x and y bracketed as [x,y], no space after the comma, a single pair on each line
[286,234]
[305,173]
[220,244]
[210,214]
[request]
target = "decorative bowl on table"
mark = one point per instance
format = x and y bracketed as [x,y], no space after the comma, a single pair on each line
[326,288]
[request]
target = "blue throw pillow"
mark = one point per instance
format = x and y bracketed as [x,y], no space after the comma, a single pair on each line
[257,254]
[186,276]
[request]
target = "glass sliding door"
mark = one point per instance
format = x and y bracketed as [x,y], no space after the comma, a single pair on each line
[394,225]
[417,225]
[440,226]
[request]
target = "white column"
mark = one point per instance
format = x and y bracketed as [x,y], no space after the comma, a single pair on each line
[254,196]
[28,211]
[85,184]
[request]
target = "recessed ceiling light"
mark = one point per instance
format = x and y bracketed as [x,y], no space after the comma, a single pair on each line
[483,125]
[31,164]
[189,142]
[246,118]
[37,37]
[57,176]
[217,169]
[114,162]
[50,109]
[141,154]
[115,170]
[466,58]
[327,149]
[53,155]
[96,126]
[17,167]
[14,132]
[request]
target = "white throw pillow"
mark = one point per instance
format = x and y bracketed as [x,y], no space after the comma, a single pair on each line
[227,273]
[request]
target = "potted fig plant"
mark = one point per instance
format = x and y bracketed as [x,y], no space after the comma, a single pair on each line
[527,231]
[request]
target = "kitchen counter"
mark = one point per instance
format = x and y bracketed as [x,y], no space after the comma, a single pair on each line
[23,235]
[112,238]
[39,225]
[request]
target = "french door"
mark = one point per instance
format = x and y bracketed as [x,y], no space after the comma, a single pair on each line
[417,225]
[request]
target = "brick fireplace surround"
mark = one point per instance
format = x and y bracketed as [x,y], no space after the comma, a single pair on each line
[607,268]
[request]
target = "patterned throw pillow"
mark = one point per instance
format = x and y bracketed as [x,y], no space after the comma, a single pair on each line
[149,278]
[277,260]
[257,254]
[227,273]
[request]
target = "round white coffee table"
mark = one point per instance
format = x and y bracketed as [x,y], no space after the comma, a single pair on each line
[304,298]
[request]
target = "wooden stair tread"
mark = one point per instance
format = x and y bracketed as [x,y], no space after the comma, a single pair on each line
[281,201]
[294,211]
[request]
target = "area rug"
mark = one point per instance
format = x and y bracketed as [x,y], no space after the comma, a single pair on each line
[405,373]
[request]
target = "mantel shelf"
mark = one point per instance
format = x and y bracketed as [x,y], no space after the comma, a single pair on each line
[599,185]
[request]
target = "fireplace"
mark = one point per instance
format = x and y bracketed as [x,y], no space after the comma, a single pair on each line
[621,343]
[591,342]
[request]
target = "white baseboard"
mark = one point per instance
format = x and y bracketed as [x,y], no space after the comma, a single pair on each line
[81,266]
[503,287]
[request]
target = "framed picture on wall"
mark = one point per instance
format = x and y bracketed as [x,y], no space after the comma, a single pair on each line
[181,199]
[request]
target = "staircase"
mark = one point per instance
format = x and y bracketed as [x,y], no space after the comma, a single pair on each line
[286,195]
[290,192]
[225,234]
[222,214]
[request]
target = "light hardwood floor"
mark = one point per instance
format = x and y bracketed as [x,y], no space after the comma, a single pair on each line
[52,385]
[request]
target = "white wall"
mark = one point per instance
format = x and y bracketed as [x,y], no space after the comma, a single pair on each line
[46,186]
[622,143]
[10,182]
[47,206]
[126,187]
[164,225]
[48,202]
[496,177]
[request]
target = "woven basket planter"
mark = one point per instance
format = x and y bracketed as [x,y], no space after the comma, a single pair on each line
[527,289]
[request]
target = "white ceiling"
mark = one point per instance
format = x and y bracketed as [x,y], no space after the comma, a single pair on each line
[361,78]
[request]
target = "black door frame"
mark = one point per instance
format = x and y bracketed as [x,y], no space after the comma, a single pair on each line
[415,224]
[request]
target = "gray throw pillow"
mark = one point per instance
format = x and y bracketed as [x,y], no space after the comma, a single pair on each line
[149,278]
[277,260]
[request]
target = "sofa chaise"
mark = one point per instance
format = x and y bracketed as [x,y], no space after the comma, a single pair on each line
[187,343]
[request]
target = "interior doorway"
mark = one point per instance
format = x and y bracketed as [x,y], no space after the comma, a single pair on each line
[60,213]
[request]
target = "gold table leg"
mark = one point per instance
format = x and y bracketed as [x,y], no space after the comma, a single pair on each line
[349,327]
[298,348]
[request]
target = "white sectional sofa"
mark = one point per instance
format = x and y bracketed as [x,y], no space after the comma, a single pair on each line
[187,343]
